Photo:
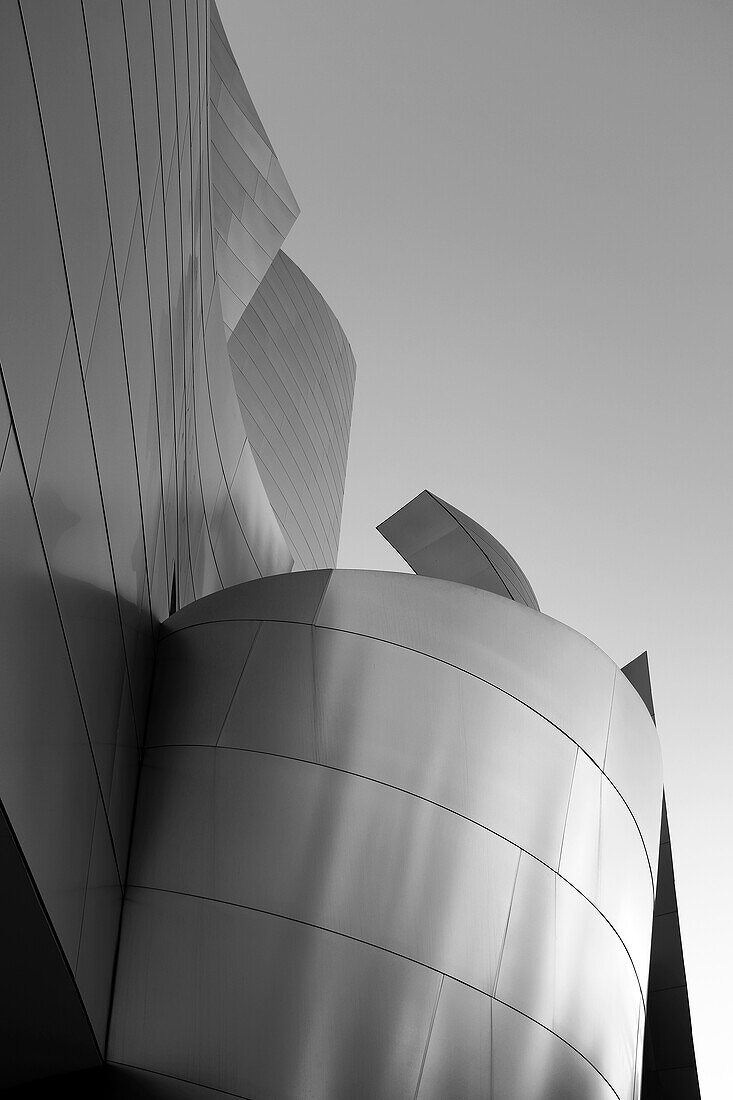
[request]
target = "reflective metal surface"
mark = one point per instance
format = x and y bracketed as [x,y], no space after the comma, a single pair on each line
[294,374]
[436,540]
[393,836]
[127,482]
[340,754]
[341,1019]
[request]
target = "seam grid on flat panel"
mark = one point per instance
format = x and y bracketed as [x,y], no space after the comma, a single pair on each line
[244,151]
[340,356]
[164,192]
[278,278]
[475,543]
[44,912]
[25,475]
[429,801]
[567,808]
[206,359]
[180,146]
[257,308]
[337,437]
[314,558]
[190,415]
[221,462]
[144,233]
[326,444]
[288,269]
[146,580]
[431,656]
[203,206]
[427,1041]
[333,378]
[50,407]
[319,482]
[374,946]
[172,1077]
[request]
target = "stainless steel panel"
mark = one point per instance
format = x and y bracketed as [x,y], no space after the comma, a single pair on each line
[163,58]
[529,1061]
[69,510]
[244,132]
[196,676]
[58,50]
[626,893]
[437,540]
[197,978]
[633,763]
[109,408]
[28,232]
[98,944]
[290,360]
[550,667]
[258,833]
[47,781]
[141,380]
[565,967]
[141,61]
[111,81]
[281,187]
[294,598]
[274,706]
[43,1025]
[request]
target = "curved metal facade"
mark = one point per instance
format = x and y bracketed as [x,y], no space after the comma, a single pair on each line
[294,374]
[400,786]
[393,836]
[436,540]
[127,481]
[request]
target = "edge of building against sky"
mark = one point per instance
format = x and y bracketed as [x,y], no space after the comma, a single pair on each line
[273,828]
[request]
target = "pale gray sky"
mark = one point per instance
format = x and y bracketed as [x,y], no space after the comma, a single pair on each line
[520,211]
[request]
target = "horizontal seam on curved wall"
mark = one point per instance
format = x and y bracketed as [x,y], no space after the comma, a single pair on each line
[432,657]
[420,797]
[183,1080]
[375,947]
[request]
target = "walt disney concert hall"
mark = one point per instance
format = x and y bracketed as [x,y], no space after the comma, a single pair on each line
[269,829]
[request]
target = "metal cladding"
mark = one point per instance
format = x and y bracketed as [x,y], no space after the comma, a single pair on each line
[294,374]
[326,834]
[402,787]
[436,540]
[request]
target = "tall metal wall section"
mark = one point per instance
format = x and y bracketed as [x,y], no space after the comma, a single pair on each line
[127,481]
[294,373]
[396,837]
[392,836]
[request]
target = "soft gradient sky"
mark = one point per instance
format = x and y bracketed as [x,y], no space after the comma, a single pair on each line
[521,212]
